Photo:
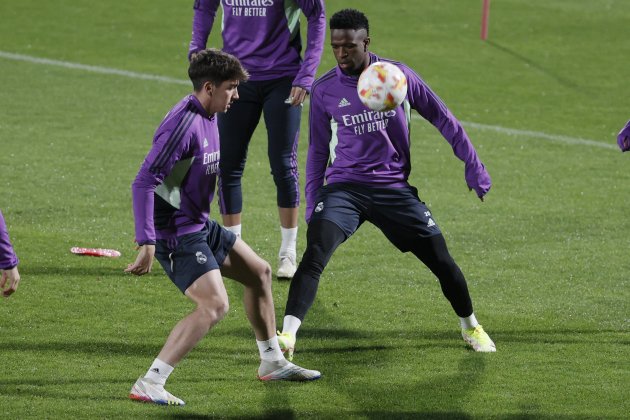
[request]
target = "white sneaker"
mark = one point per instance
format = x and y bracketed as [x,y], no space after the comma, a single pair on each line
[283,370]
[286,267]
[146,390]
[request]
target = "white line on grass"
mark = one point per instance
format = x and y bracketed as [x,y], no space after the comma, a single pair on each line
[95,69]
[144,76]
[538,135]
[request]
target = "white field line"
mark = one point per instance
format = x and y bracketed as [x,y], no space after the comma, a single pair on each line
[94,69]
[539,135]
[144,76]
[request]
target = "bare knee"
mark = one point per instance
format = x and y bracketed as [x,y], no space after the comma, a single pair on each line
[214,310]
[260,277]
[264,275]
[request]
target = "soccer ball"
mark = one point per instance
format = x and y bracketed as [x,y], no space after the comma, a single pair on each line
[382,86]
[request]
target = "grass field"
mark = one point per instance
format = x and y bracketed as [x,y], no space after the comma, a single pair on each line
[546,255]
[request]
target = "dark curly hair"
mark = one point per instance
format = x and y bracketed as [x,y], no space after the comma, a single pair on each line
[349,19]
[215,66]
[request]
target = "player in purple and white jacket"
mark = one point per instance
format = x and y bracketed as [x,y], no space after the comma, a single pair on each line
[265,36]
[171,204]
[623,138]
[8,262]
[357,170]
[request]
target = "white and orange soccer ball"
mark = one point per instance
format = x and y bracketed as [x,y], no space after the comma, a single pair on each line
[382,86]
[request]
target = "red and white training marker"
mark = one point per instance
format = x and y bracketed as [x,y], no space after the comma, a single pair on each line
[485,18]
[95,252]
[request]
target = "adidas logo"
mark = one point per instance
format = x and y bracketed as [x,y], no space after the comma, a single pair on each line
[430,223]
[205,142]
[343,102]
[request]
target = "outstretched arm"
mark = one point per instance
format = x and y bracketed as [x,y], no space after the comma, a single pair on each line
[431,107]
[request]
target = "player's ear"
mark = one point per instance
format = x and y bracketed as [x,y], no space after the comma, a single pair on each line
[209,88]
[366,42]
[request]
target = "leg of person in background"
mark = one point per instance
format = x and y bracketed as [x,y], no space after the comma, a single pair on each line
[283,131]
[236,128]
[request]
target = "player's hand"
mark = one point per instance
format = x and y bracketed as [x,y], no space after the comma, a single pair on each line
[480,196]
[624,143]
[297,97]
[478,179]
[144,261]
[11,275]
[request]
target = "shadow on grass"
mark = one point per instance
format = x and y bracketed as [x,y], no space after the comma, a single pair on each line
[78,270]
[63,388]
[560,336]
[274,414]
[373,415]
[376,397]
[106,348]
[442,339]
[557,77]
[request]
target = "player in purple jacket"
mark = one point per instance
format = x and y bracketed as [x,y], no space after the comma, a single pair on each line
[623,138]
[357,170]
[8,262]
[171,203]
[265,36]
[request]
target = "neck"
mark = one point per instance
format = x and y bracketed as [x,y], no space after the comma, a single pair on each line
[204,100]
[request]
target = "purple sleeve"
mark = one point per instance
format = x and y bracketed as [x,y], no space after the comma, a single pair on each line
[431,107]
[315,33]
[156,166]
[204,13]
[8,259]
[623,138]
[320,134]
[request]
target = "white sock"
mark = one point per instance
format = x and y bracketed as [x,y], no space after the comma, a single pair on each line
[469,322]
[236,229]
[159,372]
[289,239]
[291,324]
[270,349]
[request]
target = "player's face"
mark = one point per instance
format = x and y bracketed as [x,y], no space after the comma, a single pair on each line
[350,47]
[223,95]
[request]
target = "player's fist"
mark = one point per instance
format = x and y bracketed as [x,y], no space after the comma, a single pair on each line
[144,261]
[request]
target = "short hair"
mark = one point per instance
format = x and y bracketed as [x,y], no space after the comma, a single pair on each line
[350,19]
[215,66]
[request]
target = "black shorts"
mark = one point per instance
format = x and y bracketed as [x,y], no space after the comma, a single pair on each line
[194,254]
[397,212]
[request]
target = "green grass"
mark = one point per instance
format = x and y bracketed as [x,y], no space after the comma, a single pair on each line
[545,256]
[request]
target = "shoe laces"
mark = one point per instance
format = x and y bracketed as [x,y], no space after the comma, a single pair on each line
[288,257]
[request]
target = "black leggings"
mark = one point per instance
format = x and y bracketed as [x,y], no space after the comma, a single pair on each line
[323,237]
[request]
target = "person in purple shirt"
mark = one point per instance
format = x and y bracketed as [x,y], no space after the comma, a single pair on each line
[8,262]
[623,138]
[171,204]
[265,36]
[357,170]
